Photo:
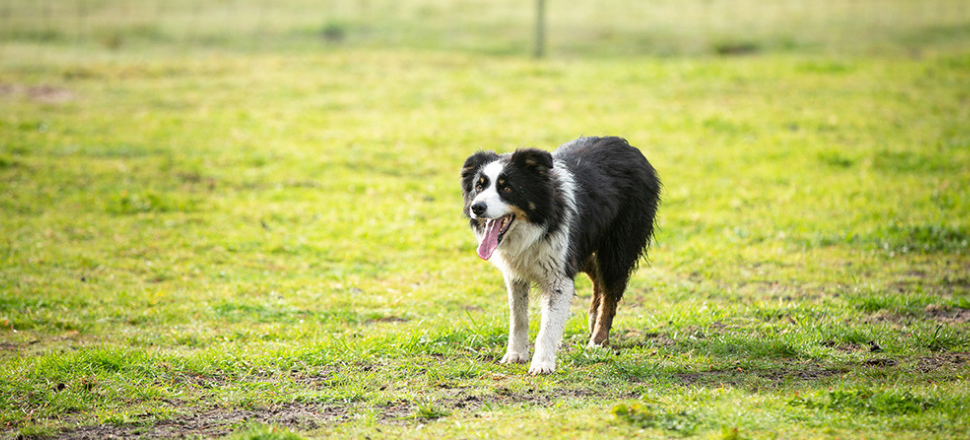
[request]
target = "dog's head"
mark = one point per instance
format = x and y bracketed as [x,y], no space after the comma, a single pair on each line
[502,191]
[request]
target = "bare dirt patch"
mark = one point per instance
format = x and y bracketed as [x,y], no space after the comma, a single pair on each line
[632,338]
[539,397]
[756,379]
[952,315]
[886,316]
[880,362]
[397,411]
[215,423]
[40,93]
[387,319]
[9,346]
[464,399]
[947,361]
[849,347]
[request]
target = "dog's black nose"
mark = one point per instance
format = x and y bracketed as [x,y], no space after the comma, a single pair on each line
[479,208]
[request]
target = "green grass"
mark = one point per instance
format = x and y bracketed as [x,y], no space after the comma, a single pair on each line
[264,241]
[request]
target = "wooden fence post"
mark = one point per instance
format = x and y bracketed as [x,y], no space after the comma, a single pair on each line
[540,28]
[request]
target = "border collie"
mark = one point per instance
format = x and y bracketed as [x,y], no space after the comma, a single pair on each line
[542,218]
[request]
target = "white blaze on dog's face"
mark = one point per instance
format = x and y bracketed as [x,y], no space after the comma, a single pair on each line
[488,195]
[491,209]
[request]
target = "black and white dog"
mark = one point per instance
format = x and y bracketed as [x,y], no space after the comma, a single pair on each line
[542,218]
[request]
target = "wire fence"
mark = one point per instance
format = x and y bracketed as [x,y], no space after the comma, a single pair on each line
[659,27]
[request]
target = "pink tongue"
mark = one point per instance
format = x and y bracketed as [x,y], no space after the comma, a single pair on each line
[490,241]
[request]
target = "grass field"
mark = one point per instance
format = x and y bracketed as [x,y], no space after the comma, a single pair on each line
[265,240]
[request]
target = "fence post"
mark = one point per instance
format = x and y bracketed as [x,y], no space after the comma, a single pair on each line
[48,13]
[540,28]
[7,14]
[82,17]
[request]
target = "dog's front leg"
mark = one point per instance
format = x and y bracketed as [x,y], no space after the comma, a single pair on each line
[518,348]
[555,311]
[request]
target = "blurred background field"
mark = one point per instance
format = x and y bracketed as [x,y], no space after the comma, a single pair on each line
[220,213]
[574,28]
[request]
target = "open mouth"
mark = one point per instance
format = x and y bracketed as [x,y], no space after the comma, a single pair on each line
[495,229]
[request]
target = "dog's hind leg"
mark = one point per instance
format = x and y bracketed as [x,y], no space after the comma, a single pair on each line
[602,307]
[613,268]
[589,267]
[602,321]
[616,258]
[606,295]
[594,308]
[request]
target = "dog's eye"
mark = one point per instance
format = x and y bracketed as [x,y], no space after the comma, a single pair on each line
[507,189]
[479,187]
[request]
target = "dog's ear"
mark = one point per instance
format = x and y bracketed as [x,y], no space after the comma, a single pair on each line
[472,164]
[533,159]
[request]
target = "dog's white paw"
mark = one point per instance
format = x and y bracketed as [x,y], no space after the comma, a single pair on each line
[542,367]
[514,358]
[594,345]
